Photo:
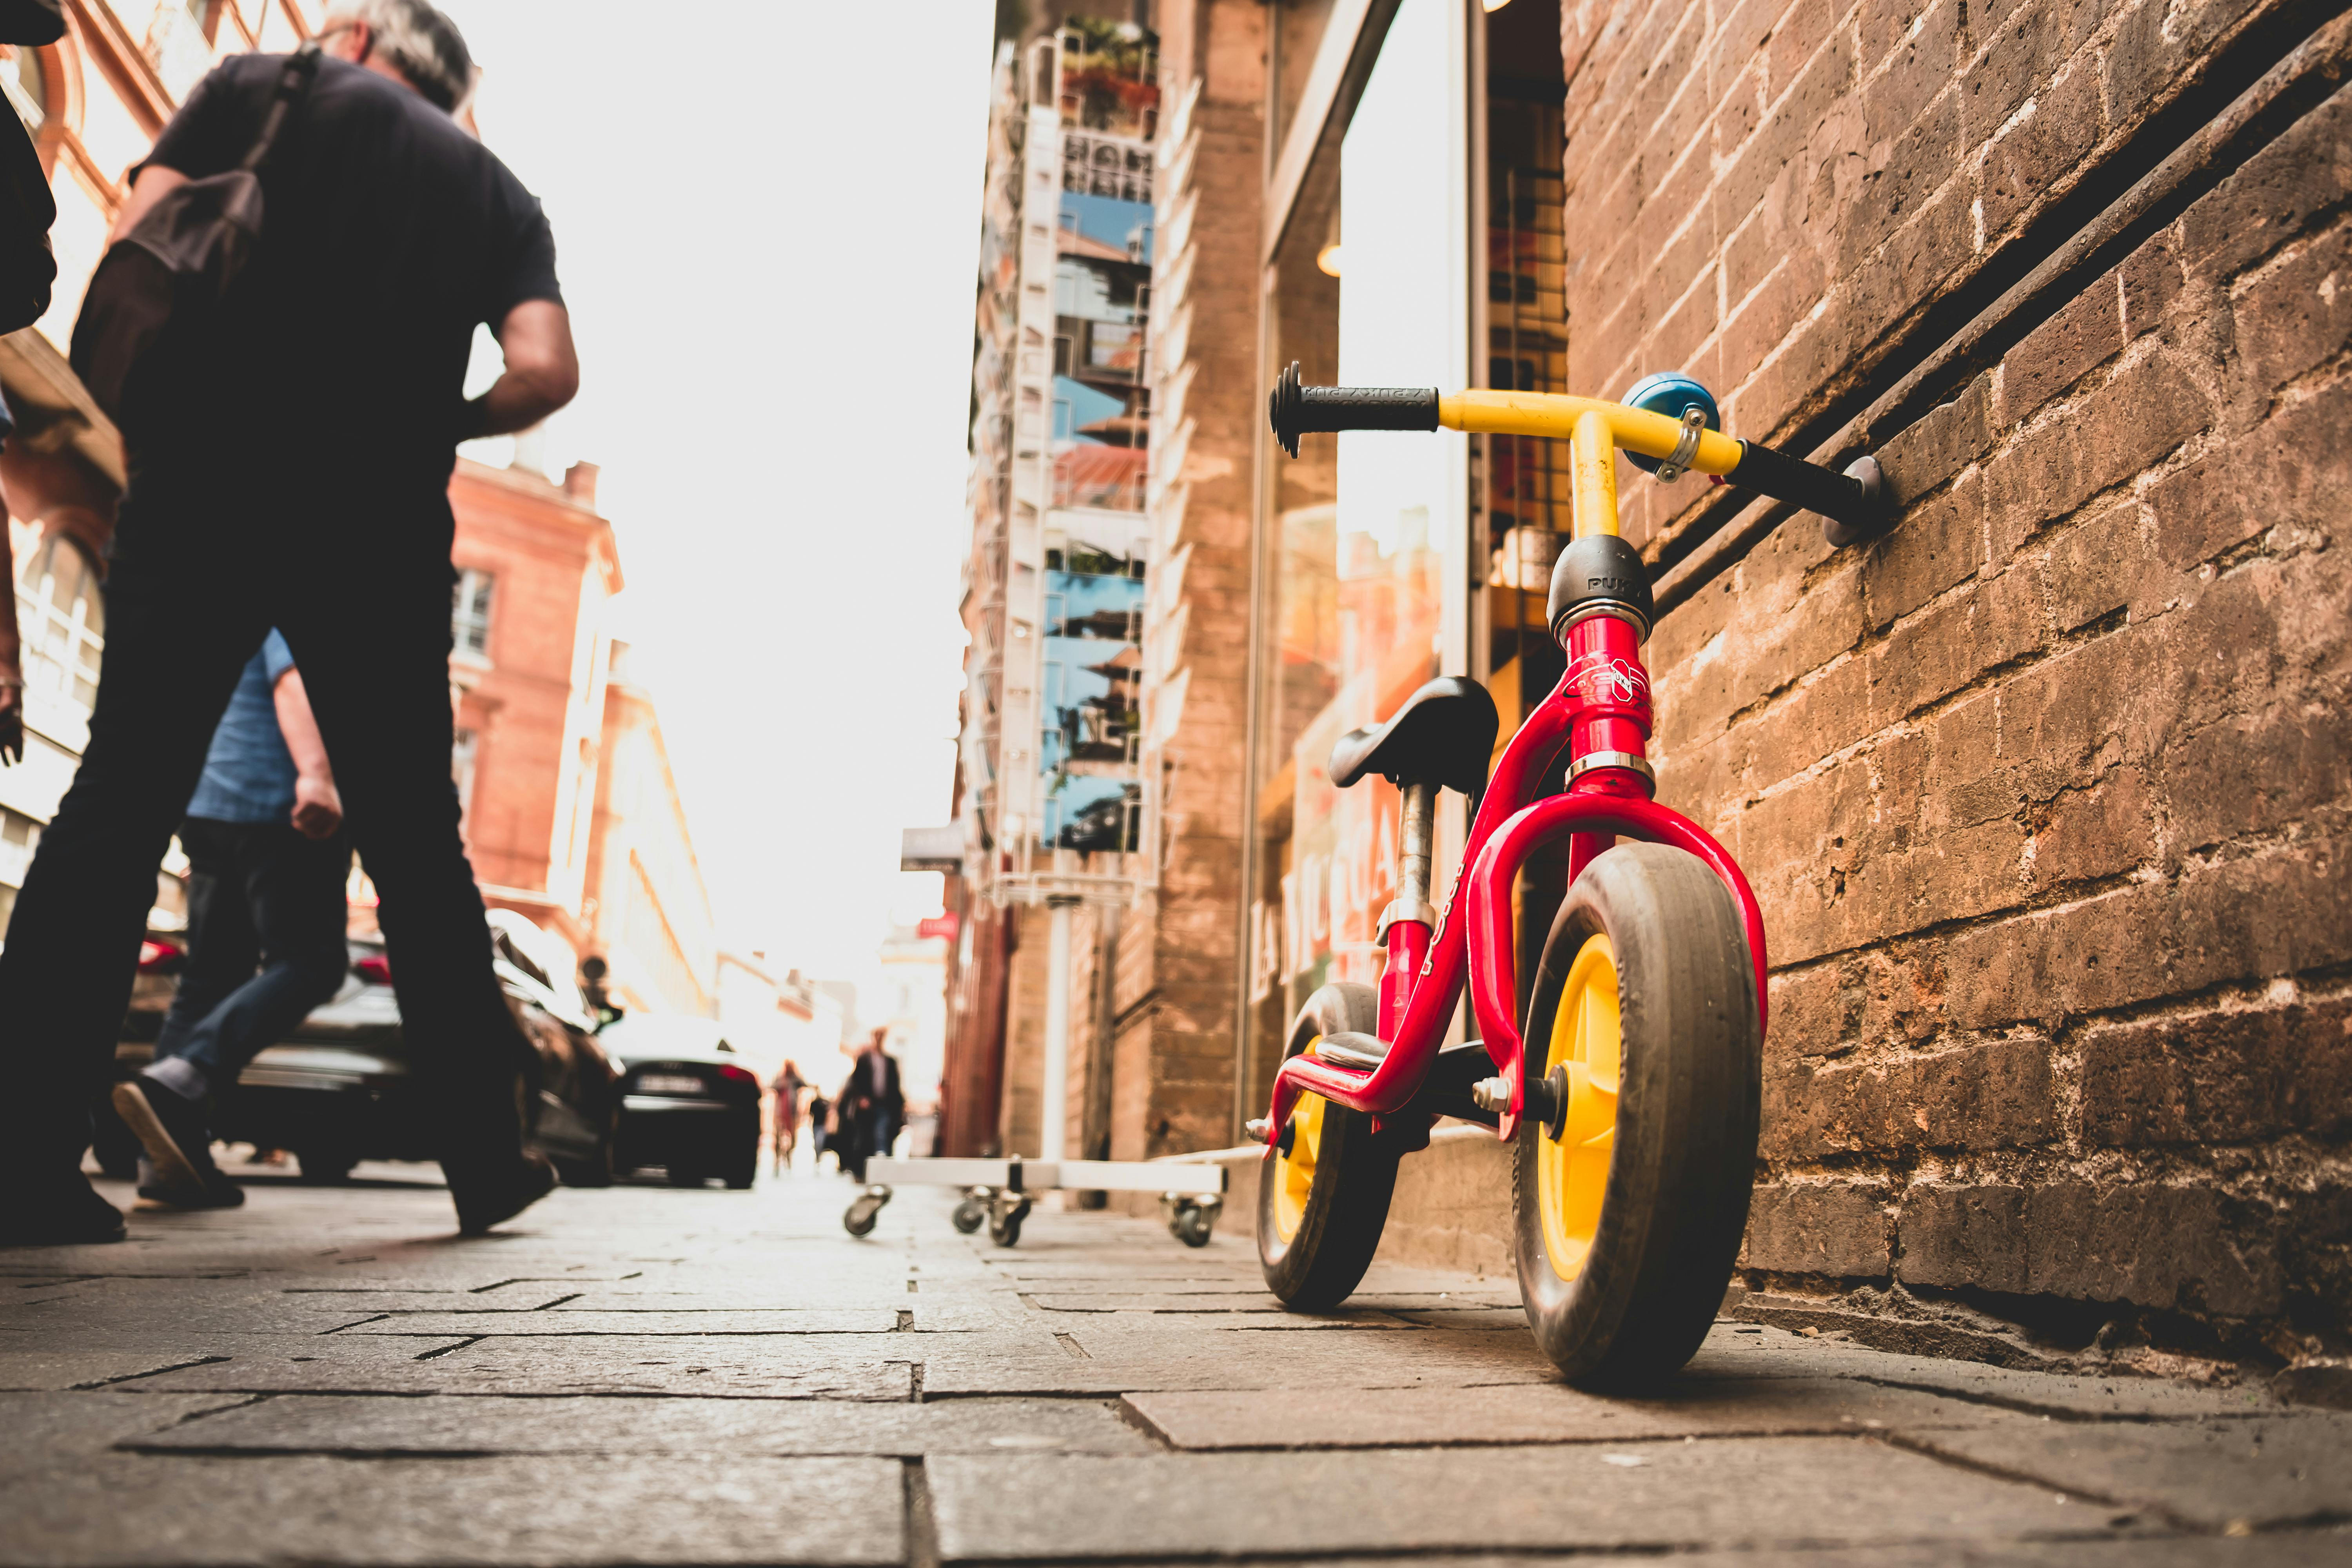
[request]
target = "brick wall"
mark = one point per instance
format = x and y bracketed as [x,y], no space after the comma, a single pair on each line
[2047,791]
[1174,1008]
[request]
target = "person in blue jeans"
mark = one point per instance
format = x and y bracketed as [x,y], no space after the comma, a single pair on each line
[268,863]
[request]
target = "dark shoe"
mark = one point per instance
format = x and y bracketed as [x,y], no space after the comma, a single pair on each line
[63,1212]
[172,1129]
[485,1200]
[216,1192]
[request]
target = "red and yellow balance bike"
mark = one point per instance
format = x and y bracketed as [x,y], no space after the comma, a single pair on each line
[1628,1090]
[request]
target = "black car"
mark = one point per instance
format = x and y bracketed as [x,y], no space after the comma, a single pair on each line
[687,1103]
[341,1088]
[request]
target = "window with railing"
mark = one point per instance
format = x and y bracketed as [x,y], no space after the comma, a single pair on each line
[470,612]
[61,618]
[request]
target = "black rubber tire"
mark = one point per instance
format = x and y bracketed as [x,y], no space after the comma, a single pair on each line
[683,1176]
[740,1172]
[1682,1163]
[970,1215]
[1192,1227]
[1355,1176]
[596,1170]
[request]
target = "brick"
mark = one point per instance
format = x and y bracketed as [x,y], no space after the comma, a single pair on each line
[2200,510]
[1902,177]
[2296,315]
[2142,412]
[1815,1011]
[2040,152]
[1979,1096]
[2097,568]
[2021,53]
[1920,68]
[1795,40]
[1940,442]
[2052,358]
[2278,913]
[2070,717]
[2256,772]
[2272,198]
[2101,830]
[1784,134]
[2152,280]
[2221,1077]
[1938,544]
[1839,1230]
[2162,1246]
[1956,641]
[1967,780]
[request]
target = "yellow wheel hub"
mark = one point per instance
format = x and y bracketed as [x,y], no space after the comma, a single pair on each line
[1294,1173]
[1572,1170]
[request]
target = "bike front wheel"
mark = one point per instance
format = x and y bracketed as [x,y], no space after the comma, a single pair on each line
[1323,1193]
[1630,1203]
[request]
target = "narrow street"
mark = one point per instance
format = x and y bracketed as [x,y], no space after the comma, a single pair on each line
[650,1375]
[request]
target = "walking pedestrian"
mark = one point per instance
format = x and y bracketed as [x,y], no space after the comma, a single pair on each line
[267,864]
[820,1116]
[390,233]
[788,1086]
[871,1106]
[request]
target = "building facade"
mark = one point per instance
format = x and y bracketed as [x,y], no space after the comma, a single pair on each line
[2040,787]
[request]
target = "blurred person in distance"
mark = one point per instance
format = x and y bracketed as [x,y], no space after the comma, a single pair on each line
[788,1086]
[392,233]
[871,1106]
[268,861]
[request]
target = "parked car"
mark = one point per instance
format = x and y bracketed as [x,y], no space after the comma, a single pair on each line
[688,1103]
[341,1088]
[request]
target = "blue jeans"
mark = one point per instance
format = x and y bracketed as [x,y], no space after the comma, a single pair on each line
[258,894]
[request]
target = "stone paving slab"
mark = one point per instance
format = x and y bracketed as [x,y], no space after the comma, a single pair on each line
[654,1510]
[44,1428]
[1742,1491]
[1097,1361]
[813,1367]
[331,1424]
[88,1367]
[1540,1413]
[2327,1549]
[557,1321]
[1745,1351]
[2265,1471]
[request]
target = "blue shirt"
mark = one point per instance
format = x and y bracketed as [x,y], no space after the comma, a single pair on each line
[250,774]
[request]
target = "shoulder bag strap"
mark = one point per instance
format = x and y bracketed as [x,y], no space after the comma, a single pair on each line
[293,86]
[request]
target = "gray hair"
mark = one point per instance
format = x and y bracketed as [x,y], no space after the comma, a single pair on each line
[421,43]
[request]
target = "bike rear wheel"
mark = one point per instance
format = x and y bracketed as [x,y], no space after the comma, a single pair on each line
[1628,1216]
[1323,1192]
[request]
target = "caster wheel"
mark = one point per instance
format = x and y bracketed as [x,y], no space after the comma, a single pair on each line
[1004,1226]
[970,1215]
[1192,1224]
[1632,1174]
[1323,1196]
[864,1210]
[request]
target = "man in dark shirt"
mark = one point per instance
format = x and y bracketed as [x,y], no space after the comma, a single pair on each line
[267,865]
[304,486]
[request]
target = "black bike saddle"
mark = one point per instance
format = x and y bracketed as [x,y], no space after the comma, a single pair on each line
[1444,734]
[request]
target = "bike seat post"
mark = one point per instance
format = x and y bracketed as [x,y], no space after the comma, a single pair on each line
[1405,924]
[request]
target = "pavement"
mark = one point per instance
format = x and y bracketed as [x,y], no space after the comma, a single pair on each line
[654,1376]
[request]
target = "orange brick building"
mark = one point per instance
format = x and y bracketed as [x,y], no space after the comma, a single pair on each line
[571,812]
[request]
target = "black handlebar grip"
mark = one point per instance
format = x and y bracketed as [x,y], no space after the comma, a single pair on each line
[1293,410]
[1853,501]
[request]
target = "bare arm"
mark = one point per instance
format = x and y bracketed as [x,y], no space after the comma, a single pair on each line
[317,806]
[543,371]
[154,184]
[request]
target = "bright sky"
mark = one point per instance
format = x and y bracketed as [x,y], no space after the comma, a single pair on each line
[767,219]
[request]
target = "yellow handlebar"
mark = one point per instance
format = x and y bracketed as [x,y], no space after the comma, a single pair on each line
[1557,414]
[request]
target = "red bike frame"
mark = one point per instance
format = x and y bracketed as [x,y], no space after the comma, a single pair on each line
[1600,705]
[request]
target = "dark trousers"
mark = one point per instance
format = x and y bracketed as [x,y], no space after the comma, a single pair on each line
[259,895]
[357,577]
